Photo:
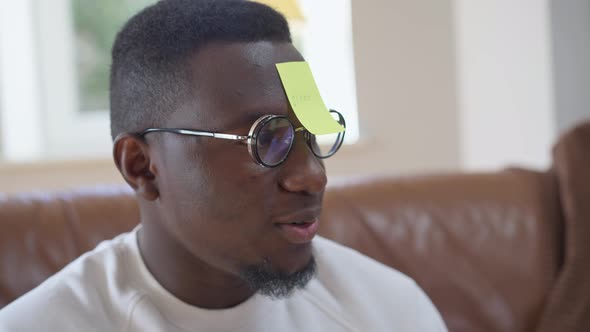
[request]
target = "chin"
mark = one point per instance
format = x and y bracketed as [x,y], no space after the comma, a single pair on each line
[274,281]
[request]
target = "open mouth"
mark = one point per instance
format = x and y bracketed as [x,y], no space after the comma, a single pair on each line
[299,232]
[299,223]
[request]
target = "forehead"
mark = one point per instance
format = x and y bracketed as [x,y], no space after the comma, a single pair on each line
[234,83]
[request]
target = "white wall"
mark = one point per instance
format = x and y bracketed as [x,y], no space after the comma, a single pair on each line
[405,78]
[570,32]
[505,83]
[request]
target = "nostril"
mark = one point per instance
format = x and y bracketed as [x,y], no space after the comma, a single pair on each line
[309,180]
[303,184]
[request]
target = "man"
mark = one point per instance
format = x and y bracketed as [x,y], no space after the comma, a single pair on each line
[229,184]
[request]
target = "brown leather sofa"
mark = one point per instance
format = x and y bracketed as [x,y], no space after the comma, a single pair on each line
[501,251]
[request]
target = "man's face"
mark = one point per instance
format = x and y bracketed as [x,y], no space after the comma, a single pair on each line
[213,198]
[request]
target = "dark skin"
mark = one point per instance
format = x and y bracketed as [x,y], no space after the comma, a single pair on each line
[207,209]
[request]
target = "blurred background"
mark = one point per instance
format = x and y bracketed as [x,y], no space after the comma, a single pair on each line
[427,86]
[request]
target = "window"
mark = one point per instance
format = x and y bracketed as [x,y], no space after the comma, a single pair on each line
[95,25]
[54,63]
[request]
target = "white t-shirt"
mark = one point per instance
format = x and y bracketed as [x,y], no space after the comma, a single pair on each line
[110,289]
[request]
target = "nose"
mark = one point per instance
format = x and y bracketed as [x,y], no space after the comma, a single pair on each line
[303,172]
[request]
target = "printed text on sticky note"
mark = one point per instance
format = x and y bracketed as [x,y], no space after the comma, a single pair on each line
[305,98]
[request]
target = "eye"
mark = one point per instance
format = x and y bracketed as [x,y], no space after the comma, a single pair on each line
[265,137]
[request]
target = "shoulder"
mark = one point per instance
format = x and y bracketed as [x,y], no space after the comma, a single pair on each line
[85,295]
[371,293]
[341,264]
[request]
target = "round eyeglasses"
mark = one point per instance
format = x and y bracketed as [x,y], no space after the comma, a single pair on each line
[271,138]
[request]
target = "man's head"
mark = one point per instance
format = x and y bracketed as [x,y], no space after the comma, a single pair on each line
[149,77]
[210,66]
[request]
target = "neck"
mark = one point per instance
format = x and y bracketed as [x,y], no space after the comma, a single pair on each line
[185,276]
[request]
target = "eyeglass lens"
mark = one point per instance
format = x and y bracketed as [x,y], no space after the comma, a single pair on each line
[324,146]
[274,141]
[275,138]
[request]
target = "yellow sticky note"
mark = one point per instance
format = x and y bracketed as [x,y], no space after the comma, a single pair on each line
[305,99]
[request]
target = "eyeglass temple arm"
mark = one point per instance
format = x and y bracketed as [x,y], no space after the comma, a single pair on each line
[196,133]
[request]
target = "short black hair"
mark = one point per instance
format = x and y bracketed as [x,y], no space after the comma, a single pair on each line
[148,77]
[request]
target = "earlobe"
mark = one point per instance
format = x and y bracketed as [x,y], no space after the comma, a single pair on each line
[132,157]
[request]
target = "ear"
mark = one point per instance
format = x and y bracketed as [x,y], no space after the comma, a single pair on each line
[132,157]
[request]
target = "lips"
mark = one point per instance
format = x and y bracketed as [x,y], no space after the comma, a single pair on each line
[299,233]
[299,229]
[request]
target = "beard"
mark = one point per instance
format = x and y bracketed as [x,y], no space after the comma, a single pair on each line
[277,284]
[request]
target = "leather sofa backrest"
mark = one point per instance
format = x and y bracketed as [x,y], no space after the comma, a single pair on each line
[43,232]
[486,248]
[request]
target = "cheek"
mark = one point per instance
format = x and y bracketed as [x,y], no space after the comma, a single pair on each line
[242,191]
[243,186]
[224,186]
[218,206]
